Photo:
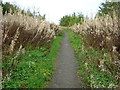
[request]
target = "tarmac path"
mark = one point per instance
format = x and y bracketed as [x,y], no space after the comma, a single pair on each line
[66,68]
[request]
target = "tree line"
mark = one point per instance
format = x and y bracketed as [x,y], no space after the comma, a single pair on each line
[107,7]
[69,20]
[10,8]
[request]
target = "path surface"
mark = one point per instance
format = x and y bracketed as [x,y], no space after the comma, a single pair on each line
[66,68]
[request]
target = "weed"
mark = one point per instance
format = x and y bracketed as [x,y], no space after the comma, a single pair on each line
[33,68]
[94,64]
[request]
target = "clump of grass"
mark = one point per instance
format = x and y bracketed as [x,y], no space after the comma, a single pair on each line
[23,30]
[94,64]
[18,32]
[102,33]
[32,68]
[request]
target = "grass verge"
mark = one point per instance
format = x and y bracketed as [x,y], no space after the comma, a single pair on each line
[91,67]
[33,68]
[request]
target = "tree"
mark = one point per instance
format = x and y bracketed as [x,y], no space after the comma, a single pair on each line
[9,8]
[109,8]
[69,20]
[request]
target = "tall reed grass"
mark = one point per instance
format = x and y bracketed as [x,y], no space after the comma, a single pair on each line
[22,30]
[103,33]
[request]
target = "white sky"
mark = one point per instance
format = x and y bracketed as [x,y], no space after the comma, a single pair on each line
[56,9]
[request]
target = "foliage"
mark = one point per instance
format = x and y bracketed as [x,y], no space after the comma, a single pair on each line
[8,8]
[94,64]
[102,33]
[109,8]
[13,9]
[20,30]
[33,68]
[100,49]
[69,20]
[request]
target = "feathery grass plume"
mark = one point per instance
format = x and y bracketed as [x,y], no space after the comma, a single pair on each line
[20,31]
[100,30]
[24,30]
[103,33]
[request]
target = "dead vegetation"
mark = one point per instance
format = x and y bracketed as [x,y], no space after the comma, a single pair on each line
[103,33]
[21,30]
[18,33]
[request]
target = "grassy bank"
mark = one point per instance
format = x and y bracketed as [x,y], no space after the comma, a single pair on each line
[33,68]
[93,63]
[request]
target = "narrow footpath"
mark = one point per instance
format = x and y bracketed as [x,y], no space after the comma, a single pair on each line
[66,68]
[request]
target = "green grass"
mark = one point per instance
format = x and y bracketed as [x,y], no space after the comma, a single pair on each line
[35,67]
[89,62]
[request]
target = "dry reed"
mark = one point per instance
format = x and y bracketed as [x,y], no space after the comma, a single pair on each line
[103,33]
[23,30]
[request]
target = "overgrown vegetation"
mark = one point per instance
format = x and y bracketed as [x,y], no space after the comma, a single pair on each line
[30,45]
[24,66]
[32,68]
[94,63]
[102,32]
[22,30]
[100,49]
[69,20]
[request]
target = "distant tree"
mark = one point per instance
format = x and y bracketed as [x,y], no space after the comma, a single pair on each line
[29,13]
[44,17]
[69,20]
[9,8]
[109,8]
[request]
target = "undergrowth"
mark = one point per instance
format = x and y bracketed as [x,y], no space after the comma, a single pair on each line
[92,68]
[33,68]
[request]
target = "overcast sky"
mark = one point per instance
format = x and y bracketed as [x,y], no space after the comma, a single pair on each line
[56,9]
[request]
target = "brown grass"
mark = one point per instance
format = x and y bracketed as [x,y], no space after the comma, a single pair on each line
[103,33]
[22,30]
